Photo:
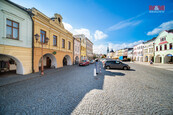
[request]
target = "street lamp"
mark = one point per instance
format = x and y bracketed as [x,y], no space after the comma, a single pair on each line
[42,42]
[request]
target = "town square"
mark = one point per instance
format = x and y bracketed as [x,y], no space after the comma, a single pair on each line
[108,63]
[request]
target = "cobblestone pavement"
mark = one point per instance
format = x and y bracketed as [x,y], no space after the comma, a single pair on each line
[74,90]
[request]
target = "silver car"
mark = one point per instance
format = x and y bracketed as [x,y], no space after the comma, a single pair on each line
[116,64]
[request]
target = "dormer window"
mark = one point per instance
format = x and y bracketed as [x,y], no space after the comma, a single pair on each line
[59,20]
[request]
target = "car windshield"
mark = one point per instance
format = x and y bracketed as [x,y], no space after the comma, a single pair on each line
[83,60]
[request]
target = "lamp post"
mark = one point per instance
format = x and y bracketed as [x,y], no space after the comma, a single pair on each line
[42,42]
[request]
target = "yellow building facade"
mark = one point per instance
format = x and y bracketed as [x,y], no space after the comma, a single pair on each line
[58,52]
[83,49]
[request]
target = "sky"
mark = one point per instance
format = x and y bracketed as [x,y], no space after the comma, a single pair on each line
[115,24]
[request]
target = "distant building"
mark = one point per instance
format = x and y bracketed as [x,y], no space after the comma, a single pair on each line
[89,48]
[77,46]
[148,51]
[164,47]
[83,46]
[138,52]
[130,53]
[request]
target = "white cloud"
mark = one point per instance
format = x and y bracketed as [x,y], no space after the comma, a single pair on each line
[99,35]
[126,23]
[102,48]
[164,26]
[84,31]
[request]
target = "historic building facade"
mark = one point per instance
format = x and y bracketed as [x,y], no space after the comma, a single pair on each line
[130,54]
[15,38]
[164,47]
[58,52]
[148,51]
[89,49]
[83,46]
[77,46]
[138,52]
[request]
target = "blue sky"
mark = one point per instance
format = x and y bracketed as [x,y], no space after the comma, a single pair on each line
[113,23]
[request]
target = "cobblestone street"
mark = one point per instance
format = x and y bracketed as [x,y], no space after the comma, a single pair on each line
[74,90]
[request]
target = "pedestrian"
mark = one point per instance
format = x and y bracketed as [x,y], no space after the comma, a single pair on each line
[151,62]
[97,66]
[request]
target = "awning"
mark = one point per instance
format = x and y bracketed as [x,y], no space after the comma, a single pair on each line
[163,42]
[169,55]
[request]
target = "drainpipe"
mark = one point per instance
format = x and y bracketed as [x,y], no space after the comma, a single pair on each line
[73,50]
[31,15]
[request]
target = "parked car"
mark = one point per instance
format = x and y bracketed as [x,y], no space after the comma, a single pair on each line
[116,64]
[84,62]
[92,61]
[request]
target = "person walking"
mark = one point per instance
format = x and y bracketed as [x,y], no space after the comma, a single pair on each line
[97,66]
[151,62]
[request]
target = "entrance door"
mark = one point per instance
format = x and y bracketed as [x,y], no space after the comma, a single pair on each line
[64,61]
[48,62]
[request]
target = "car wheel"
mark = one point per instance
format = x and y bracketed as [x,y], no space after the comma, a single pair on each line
[108,67]
[125,68]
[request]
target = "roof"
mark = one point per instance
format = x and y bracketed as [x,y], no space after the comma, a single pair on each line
[20,7]
[151,40]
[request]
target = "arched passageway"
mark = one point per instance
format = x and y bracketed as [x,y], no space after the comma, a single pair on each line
[49,61]
[10,63]
[158,59]
[168,59]
[76,60]
[66,60]
[146,59]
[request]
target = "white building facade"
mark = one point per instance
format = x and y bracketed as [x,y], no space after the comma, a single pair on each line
[148,51]
[164,47]
[138,52]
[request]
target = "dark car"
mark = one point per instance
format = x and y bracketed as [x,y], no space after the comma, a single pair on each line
[116,64]
[84,62]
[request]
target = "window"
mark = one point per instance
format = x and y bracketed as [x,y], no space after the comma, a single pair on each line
[63,43]
[12,29]
[69,45]
[165,46]
[59,20]
[160,48]
[54,40]
[170,46]
[162,39]
[42,36]
[156,48]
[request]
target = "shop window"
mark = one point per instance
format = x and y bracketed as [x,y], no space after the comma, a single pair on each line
[12,29]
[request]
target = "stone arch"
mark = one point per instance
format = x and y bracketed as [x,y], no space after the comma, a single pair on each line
[158,59]
[18,64]
[49,61]
[168,58]
[67,60]
[76,60]
[146,59]
[141,59]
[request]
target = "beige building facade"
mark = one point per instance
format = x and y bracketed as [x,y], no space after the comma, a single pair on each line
[77,50]
[89,49]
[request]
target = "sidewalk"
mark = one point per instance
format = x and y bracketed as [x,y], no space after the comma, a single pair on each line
[158,65]
[11,78]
